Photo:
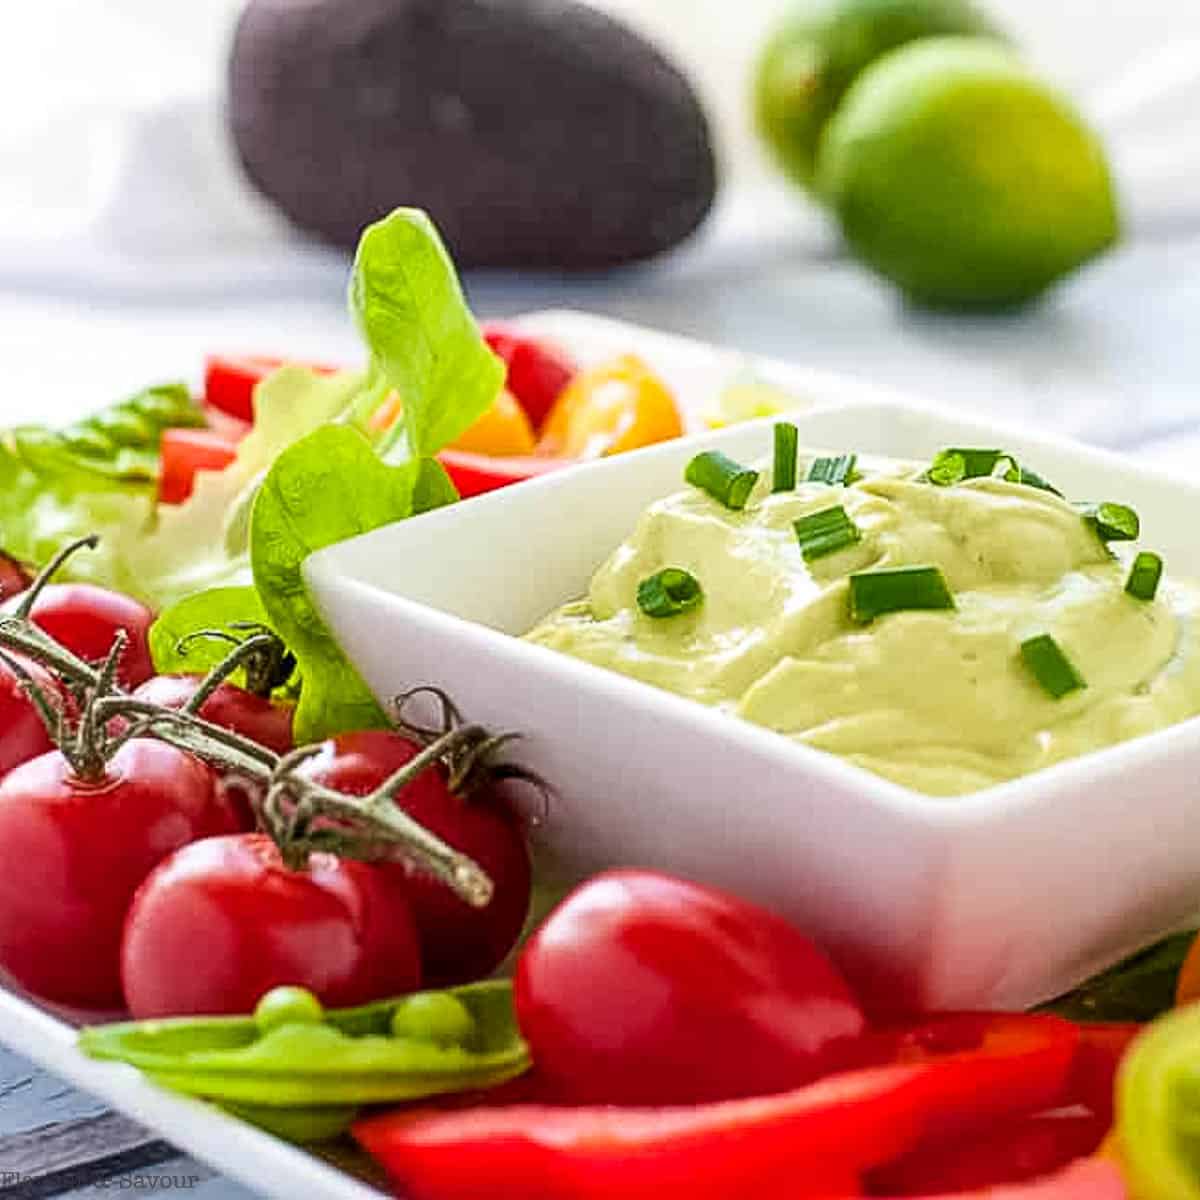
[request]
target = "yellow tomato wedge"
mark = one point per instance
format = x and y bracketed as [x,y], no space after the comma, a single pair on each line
[610,409]
[503,430]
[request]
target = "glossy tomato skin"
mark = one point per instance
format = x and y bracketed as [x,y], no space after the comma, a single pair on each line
[223,921]
[75,854]
[85,619]
[231,707]
[645,989]
[458,943]
[23,733]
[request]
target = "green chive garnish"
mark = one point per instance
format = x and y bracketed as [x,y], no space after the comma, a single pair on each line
[723,479]
[897,589]
[1050,666]
[669,592]
[1145,576]
[958,463]
[826,532]
[838,471]
[787,442]
[1112,522]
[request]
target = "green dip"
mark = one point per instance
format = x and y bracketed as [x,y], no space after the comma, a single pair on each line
[939,702]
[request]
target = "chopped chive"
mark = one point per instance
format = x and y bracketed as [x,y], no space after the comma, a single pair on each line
[723,479]
[1020,474]
[787,442]
[1145,576]
[826,532]
[1112,522]
[897,589]
[669,592]
[1050,666]
[834,471]
[957,463]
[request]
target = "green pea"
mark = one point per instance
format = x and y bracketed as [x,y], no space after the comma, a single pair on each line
[287,1006]
[436,1017]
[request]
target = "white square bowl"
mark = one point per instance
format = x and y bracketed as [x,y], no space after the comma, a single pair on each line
[1002,898]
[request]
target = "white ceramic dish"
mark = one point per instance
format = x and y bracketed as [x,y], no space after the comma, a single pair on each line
[1004,898]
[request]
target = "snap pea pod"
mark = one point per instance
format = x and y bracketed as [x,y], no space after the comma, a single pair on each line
[303,1073]
[117,446]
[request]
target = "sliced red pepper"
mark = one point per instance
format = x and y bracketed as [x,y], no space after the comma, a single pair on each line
[1091,1179]
[474,474]
[229,381]
[815,1140]
[537,372]
[186,451]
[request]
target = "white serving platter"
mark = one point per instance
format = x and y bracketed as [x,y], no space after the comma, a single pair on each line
[1001,898]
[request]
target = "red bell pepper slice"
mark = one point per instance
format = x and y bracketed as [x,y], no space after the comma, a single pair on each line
[537,373]
[815,1140]
[475,474]
[186,451]
[1094,1074]
[230,380]
[1091,1179]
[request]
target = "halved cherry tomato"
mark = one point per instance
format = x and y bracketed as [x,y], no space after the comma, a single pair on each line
[503,430]
[184,453]
[537,372]
[229,381]
[474,474]
[609,409]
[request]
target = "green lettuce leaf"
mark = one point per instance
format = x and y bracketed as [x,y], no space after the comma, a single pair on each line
[219,609]
[329,487]
[409,307]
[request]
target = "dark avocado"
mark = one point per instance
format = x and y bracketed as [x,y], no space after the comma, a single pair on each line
[537,133]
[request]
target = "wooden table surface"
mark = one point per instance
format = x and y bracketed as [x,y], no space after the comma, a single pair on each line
[1115,358]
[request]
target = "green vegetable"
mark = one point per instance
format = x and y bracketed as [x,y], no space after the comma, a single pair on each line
[826,532]
[223,610]
[1158,1109]
[837,472]
[958,463]
[424,343]
[669,592]
[1144,576]
[329,487]
[787,441]
[1136,989]
[306,1077]
[1050,666]
[727,482]
[897,589]
[1112,522]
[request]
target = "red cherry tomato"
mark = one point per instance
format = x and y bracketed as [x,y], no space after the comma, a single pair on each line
[229,381]
[537,372]
[458,943]
[85,619]
[14,579]
[23,734]
[186,452]
[223,921]
[643,989]
[231,707]
[77,853]
[475,474]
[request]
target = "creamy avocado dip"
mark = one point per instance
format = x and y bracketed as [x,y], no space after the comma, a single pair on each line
[939,701]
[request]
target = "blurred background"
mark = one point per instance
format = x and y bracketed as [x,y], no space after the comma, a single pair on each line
[131,244]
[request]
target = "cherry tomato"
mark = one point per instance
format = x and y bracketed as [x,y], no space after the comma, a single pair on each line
[231,707]
[537,372]
[229,381]
[76,853]
[619,406]
[458,943]
[475,474]
[224,920]
[23,734]
[14,579]
[85,619]
[645,989]
[184,453]
[503,430]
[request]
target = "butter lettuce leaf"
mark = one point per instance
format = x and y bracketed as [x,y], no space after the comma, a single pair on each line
[329,487]
[218,609]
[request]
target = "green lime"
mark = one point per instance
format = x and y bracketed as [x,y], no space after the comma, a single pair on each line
[964,179]
[821,48]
